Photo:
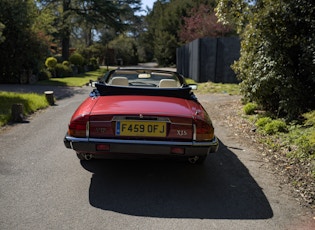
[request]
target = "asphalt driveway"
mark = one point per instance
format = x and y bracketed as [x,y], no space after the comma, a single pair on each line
[60,92]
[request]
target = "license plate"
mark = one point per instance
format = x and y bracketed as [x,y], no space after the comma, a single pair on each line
[141,128]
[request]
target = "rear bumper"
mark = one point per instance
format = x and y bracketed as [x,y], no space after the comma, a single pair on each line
[88,145]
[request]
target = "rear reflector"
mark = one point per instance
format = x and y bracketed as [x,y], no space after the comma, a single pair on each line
[177,150]
[102,147]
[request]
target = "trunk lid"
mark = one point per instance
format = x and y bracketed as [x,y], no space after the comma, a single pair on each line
[142,117]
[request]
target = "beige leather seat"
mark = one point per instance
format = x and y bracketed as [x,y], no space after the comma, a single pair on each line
[168,83]
[121,81]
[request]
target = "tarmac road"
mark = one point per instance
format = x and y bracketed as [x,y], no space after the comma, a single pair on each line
[44,186]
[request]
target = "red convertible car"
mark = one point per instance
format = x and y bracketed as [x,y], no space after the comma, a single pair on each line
[141,113]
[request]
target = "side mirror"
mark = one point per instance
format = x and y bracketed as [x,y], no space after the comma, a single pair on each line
[92,83]
[193,86]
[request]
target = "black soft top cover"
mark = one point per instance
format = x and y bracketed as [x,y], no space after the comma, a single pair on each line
[107,90]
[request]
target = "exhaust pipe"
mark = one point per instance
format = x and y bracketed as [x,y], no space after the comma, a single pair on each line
[88,156]
[193,160]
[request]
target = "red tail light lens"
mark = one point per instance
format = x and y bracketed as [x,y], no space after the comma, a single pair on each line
[203,131]
[79,127]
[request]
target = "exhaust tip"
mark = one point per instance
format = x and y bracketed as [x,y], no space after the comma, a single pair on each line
[193,160]
[88,156]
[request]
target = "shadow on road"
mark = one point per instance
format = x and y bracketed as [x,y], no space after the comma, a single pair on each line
[220,189]
[60,92]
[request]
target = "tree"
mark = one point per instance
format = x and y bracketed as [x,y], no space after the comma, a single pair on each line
[164,22]
[23,51]
[202,22]
[277,65]
[90,14]
[126,49]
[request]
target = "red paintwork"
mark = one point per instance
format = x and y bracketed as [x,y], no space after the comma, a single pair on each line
[85,108]
[146,105]
[178,110]
[142,104]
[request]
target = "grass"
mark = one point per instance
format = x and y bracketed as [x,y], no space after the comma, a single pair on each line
[79,80]
[210,87]
[296,139]
[31,103]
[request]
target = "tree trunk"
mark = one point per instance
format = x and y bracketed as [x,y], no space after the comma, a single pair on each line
[66,30]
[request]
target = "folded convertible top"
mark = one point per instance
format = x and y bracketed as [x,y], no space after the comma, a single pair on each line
[105,90]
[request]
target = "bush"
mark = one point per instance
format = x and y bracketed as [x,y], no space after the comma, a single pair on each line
[76,59]
[44,75]
[51,63]
[276,65]
[250,108]
[310,118]
[262,122]
[63,70]
[275,126]
[66,63]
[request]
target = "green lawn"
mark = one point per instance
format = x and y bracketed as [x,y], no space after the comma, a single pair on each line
[210,87]
[31,103]
[79,80]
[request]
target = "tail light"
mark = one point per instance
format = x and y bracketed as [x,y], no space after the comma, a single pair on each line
[203,131]
[79,127]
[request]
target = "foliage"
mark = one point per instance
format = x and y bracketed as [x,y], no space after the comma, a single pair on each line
[51,62]
[275,126]
[263,121]
[202,22]
[76,59]
[63,70]
[44,74]
[66,63]
[23,50]
[250,108]
[277,65]
[75,81]
[309,118]
[82,17]
[126,49]
[31,103]
[164,23]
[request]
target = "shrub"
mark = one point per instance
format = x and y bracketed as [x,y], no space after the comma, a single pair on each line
[275,126]
[310,118]
[261,122]
[66,63]
[250,108]
[51,63]
[44,75]
[63,70]
[76,59]
[276,64]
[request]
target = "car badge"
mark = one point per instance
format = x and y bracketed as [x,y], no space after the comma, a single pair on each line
[140,115]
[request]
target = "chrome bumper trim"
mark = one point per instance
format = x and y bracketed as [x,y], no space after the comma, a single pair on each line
[213,142]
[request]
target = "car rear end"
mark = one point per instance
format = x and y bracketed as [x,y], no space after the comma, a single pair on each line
[142,127]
